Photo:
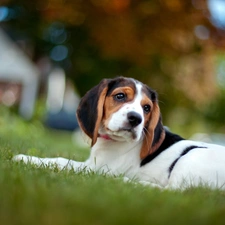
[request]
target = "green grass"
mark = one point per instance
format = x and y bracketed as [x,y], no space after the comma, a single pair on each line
[31,195]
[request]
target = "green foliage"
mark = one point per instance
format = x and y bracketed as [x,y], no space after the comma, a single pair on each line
[214,112]
[152,41]
[33,138]
[31,195]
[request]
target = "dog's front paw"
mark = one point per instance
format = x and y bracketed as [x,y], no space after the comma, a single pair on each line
[21,157]
[150,184]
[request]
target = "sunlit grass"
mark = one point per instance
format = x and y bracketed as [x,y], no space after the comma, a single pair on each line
[44,196]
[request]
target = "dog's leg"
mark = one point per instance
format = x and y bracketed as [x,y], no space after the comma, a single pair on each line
[144,183]
[60,163]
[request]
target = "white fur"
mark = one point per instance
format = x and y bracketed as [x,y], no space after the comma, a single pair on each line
[121,155]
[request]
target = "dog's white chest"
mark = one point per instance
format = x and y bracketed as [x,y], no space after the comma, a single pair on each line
[116,157]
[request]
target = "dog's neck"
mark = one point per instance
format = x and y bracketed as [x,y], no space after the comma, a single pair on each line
[112,149]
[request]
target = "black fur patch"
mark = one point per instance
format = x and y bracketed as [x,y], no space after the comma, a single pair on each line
[120,82]
[158,131]
[186,150]
[150,93]
[169,140]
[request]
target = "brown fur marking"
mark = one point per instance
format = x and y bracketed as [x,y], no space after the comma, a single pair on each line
[111,105]
[147,147]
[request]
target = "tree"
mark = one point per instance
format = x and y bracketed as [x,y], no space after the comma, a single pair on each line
[168,44]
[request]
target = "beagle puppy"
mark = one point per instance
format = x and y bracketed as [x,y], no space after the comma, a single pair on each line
[122,118]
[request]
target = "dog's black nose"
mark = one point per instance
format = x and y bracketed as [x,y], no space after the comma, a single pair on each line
[134,118]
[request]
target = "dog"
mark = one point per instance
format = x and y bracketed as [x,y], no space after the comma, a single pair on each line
[122,118]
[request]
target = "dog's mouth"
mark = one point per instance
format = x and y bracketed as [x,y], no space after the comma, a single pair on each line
[131,131]
[122,134]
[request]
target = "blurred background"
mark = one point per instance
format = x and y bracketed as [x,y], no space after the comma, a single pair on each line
[53,51]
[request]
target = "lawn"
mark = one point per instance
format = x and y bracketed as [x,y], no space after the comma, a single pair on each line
[43,196]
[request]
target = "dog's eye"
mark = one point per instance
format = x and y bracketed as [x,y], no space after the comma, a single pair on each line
[120,97]
[146,108]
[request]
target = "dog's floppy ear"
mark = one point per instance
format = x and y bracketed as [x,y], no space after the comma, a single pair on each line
[90,110]
[154,131]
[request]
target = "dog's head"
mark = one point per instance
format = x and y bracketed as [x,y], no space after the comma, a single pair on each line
[122,109]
